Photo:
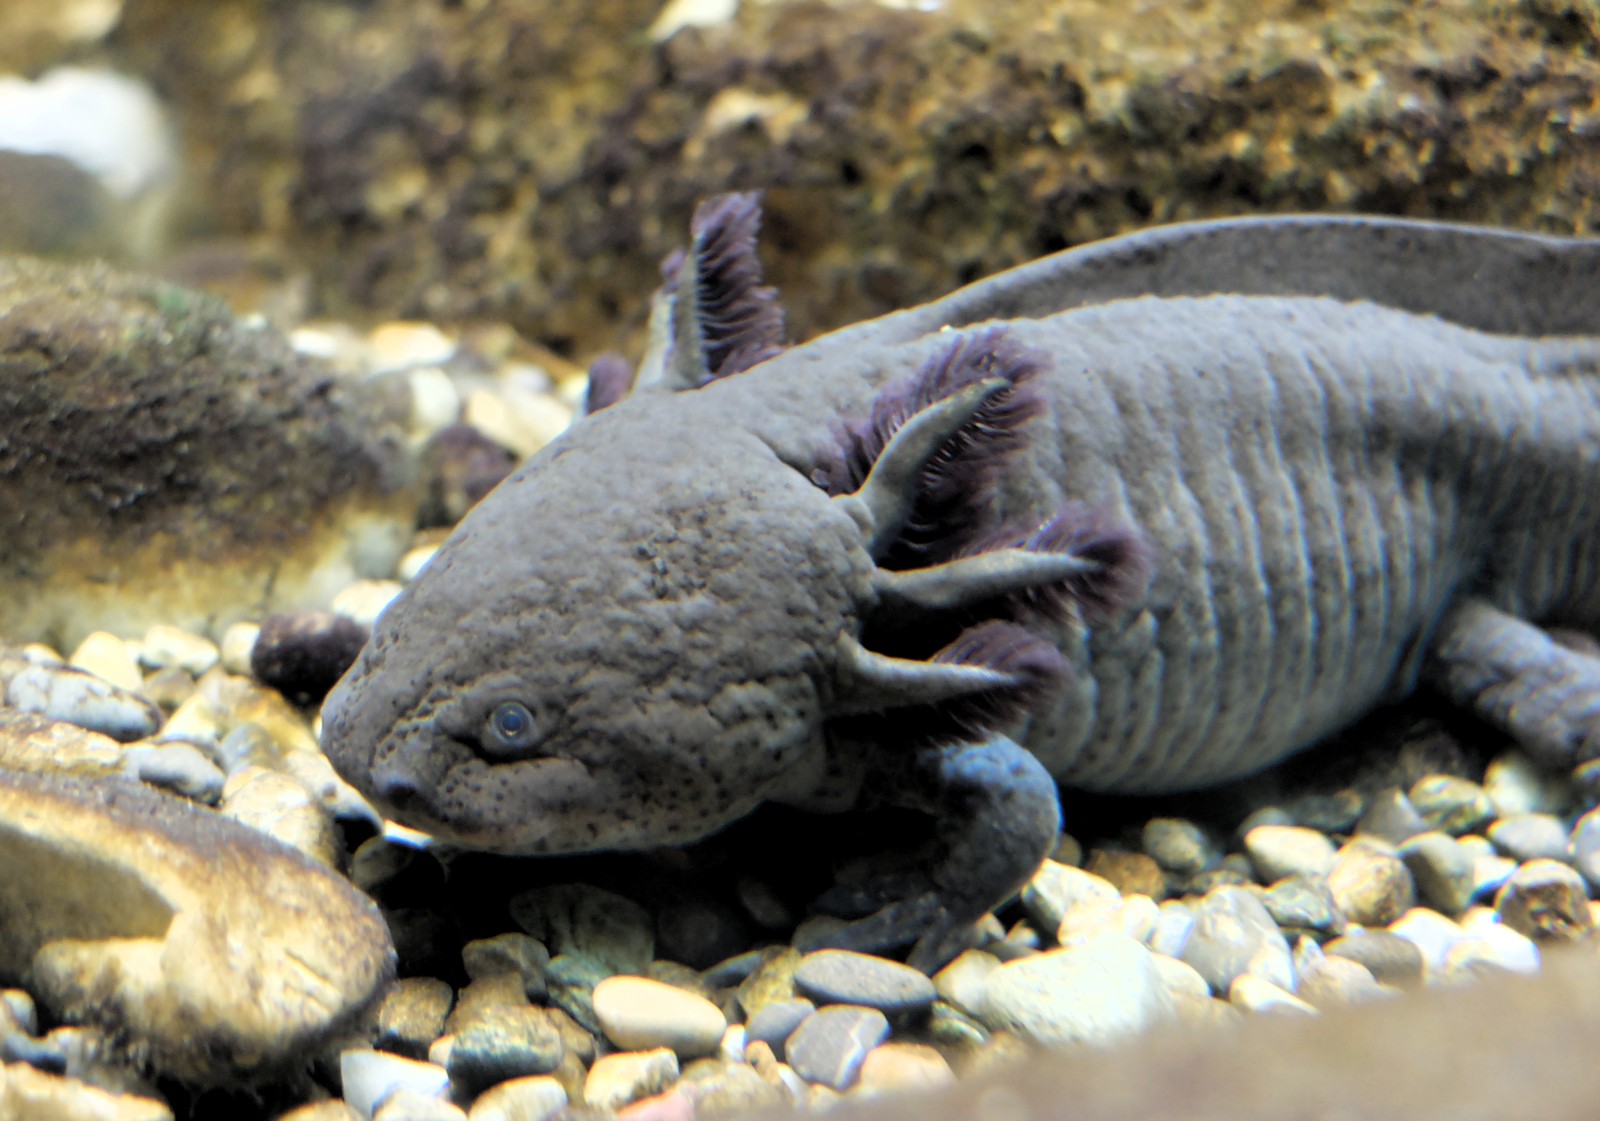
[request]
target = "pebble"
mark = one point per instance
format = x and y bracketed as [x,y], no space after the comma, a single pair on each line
[1370,885]
[1547,901]
[521,1099]
[1057,888]
[1391,817]
[1584,847]
[277,805]
[845,977]
[1181,978]
[1232,932]
[1450,804]
[720,1088]
[1431,933]
[509,953]
[1329,982]
[1530,836]
[1099,990]
[238,641]
[83,699]
[1250,993]
[510,1042]
[571,979]
[166,646]
[1391,959]
[829,1047]
[1131,873]
[368,1077]
[1279,851]
[1173,929]
[638,1014]
[1178,845]
[1493,947]
[198,721]
[1516,784]
[412,1015]
[1443,870]
[406,344]
[409,1105]
[772,979]
[610,930]
[303,654]
[364,600]
[616,1080]
[179,767]
[108,657]
[1303,903]
[776,1020]
[28,1094]
[901,1067]
[1489,874]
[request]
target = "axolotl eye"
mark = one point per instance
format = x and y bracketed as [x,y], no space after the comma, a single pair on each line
[511,730]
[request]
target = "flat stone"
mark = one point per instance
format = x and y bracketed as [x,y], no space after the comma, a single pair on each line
[76,697]
[519,1099]
[166,646]
[778,1019]
[900,1067]
[409,1105]
[638,1014]
[1370,886]
[1329,982]
[1303,903]
[1179,846]
[616,1080]
[1253,994]
[125,906]
[1530,836]
[501,1044]
[1056,888]
[1546,901]
[1391,959]
[1232,929]
[845,977]
[1097,991]
[179,767]
[1278,851]
[368,1077]
[1516,784]
[1450,804]
[829,1047]
[1131,873]
[1442,869]
[412,1016]
[604,927]
[29,1094]
[1490,950]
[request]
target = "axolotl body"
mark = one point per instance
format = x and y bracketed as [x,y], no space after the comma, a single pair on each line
[1141,516]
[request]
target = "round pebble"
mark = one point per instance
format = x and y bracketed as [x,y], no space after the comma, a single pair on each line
[1442,869]
[179,767]
[237,643]
[829,1047]
[1329,982]
[108,657]
[1430,932]
[1516,784]
[1131,873]
[1370,885]
[303,655]
[638,1014]
[1303,903]
[1232,928]
[75,697]
[1279,851]
[616,1080]
[1450,804]
[521,1099]
[1178,845]
[368,1077]
[412,1015]
[1173,928]
[1056,888]
[1530,836]
[1390,958]
[902,1067]
[1547,901]
[1097,991]
[167,646]
[1250,993]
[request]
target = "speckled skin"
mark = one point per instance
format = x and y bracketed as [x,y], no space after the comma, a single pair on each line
[1380,422]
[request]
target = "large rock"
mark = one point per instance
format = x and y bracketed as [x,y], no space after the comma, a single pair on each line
[160,461]
[214,953]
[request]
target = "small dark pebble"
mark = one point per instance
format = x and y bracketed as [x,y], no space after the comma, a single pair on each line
[699,932]
[303,655]
[845,977]
[513,1043]
[462,465]
[1303,903]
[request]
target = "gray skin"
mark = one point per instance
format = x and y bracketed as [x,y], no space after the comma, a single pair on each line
[1360,452]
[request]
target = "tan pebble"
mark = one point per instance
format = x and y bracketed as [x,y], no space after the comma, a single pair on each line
[364,600]
[673,1105]
[904,1066]
[572,1074]
[616,1080]
[404,343]
[773,979]
[108,657]
[196,721]
[637,1014]
[281,808]
[520,1099]
[333,1109]
[1250,993]
[439,1050]
[1370,884]
[409,1105]
[435,402]
[820,1099]
[165,645]
[1131,873]
[238,641]
[963,981]
[27,1094]
[250,703]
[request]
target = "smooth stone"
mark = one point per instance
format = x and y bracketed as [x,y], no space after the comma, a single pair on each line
[1489,874]
[1232,928]
[302,654]
[830,1046]
[1056,888]
[1178,845]
[514,953]
[521,1099]
[1068,851]
[1131,873]
[616,1080]
[1303,903]
[846,977]
[1371,886]
[1181,978]
[953,1030]
[1547,901]
[29,1094]
[571,979]
[1391,959]
[1442,870]
[18,1006]
[331,1109]
[901,1067]
[776,1021]
[1253,994]
[1530,836]
[638,1014]
[720,1088]
[196,720]
[1333,812]
[608,929]
[1491,948]
[364,600]
[1173,929]
[124,906]
[167,646]
[412,1016]
[368,1077]
[1430,932]
[771,980]
[409,1105]
[1279,851]
[108,657]
[238,641]
[1584,847]
[179,767]
[1516,784]
[1450,804]
[76,697]
[1330,982]
[503,1044]
[275,804]
[1097,991]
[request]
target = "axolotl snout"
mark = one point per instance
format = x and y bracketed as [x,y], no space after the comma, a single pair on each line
[1141,516]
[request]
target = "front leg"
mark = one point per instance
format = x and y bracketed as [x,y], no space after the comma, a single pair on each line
[998,815]
[1516,676]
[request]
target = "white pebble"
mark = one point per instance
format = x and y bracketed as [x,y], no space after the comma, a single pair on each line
[108,657]
[404,345]
[435,402]
[1256,994]
[238,643]
[412,563]
[1097,991]
[166,645]
[1430,932]
[62,693]
[370,1076]
[364,600]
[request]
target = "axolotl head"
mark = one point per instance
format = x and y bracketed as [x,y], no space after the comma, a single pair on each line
[657,623]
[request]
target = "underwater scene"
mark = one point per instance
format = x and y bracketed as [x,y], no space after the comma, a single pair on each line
[687,559]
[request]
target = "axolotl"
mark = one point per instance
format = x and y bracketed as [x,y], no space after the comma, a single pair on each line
[1141,516]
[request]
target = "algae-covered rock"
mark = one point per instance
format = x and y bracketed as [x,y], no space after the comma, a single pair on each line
[211,952]
[533,160]
[162,461]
